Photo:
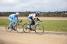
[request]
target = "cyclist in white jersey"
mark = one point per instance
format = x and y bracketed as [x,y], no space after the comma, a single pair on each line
[31,18]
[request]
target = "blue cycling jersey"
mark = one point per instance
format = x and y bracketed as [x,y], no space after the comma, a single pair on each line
[30,17]
[13,18]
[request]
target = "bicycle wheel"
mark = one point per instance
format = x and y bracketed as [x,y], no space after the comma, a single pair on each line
[37,28]
[8,29]
[20,28]
[25,27]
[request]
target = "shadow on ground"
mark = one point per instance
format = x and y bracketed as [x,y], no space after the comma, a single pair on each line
[42,33]
[2,42]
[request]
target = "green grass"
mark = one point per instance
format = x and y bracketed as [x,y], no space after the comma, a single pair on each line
[49,25]
[3,22]
[55,25]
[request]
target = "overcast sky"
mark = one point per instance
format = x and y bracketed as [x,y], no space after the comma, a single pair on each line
[32,5]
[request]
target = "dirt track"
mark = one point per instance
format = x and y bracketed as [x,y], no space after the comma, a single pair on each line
[32,38]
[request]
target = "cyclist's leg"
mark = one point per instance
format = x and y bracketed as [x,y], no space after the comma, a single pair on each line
[33,22]
[30,23]
[10,26]
[14,26]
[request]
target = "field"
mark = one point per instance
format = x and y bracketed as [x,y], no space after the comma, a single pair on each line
[55,32]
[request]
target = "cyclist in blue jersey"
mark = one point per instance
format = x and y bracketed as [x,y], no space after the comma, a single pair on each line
[13,19]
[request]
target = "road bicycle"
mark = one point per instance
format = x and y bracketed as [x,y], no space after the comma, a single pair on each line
[25,27]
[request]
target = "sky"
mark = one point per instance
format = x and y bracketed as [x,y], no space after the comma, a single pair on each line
[32,5]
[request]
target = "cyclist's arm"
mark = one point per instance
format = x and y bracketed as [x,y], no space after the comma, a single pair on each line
[38,19]
[10,18]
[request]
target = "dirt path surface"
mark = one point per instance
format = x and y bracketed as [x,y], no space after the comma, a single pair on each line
[32,38]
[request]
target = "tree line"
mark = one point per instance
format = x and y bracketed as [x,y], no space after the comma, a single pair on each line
[42,14]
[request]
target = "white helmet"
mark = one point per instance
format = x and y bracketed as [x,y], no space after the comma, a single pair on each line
[17,13]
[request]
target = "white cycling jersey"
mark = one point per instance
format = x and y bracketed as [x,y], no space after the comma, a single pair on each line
[33,15]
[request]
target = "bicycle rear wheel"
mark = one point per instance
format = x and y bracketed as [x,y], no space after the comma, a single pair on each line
[26,28]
